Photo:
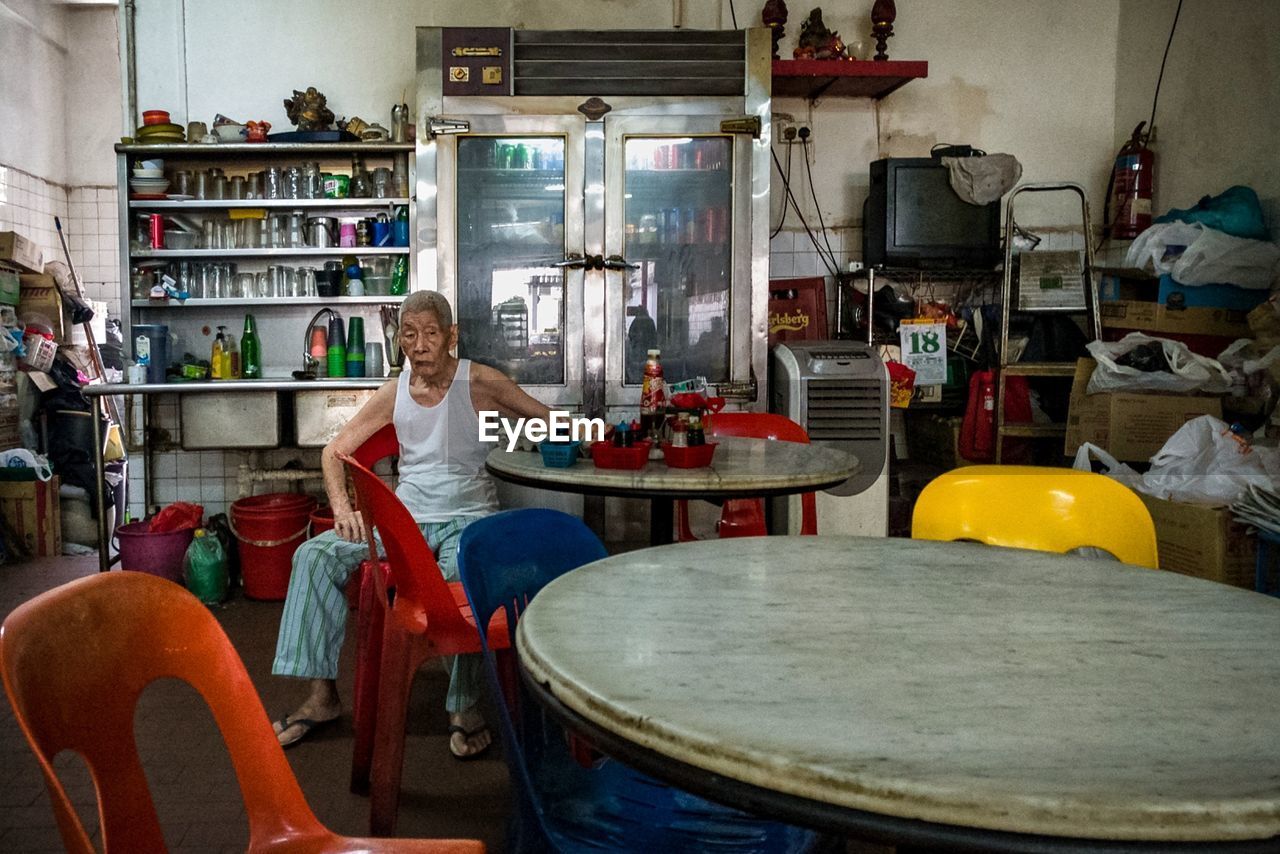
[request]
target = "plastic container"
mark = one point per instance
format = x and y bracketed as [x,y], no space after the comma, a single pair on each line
[606,456]
[269,529]
[156,554]
[151,340]
[694,457]
[321,521]
[559,455]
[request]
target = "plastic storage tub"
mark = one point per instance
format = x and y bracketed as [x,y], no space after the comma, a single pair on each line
[694,457]
[606,456]
[559,455]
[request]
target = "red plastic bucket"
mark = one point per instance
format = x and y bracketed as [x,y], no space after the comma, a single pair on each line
[321,520]
[158,554]
[269,529]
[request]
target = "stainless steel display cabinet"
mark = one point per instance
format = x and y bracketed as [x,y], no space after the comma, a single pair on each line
[584,197]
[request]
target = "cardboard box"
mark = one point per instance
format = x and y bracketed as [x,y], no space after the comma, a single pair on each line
[1133,426]
[16,249]
[1157,318]
[32,513]
[40,295]
[1173,292]
[1204,541]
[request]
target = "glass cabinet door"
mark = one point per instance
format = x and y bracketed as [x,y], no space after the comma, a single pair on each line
[516,308]
[670,216]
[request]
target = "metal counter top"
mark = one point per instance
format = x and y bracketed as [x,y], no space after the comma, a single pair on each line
[204,387]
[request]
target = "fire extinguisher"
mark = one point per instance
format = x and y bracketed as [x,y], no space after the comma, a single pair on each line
[1131,187]
[978,428]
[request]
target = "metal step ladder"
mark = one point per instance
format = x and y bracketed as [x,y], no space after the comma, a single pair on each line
[1093,323]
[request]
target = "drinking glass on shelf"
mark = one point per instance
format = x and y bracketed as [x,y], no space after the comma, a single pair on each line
[228,229]
[274,188]
[312,182]
[253,185]
[242,286]
[382,186]
[306,282]
[263,285]
[209,281]
[209,235]
[219,184]
[201,184]
[185,279]
[293,183]
[237,187]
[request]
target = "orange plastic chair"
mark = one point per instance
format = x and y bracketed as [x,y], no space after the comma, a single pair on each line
[744,517]
[74,661]
[426,618]
[1033,507]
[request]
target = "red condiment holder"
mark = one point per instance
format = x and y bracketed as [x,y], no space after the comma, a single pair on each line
[693,457]
[606,456]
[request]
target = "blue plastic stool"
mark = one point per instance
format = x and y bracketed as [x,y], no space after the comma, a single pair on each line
[1266,577]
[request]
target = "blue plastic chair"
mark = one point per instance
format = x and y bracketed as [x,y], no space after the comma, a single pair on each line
[504,560]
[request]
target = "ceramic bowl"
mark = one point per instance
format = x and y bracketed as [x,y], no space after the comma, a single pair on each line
[148,173]
[229,133]
[155,117]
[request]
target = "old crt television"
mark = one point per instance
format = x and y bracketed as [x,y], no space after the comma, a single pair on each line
[912,218]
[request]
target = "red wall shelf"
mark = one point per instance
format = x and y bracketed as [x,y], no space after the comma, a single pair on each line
[843,78]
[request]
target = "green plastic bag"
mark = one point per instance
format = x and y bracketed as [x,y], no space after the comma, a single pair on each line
[204,568]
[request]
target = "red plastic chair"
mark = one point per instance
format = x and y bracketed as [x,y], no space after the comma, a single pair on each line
[369,619]
[74,661]
[744,517]
[427,618]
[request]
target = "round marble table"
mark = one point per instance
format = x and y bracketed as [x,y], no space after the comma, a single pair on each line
[741,468]
[927,693]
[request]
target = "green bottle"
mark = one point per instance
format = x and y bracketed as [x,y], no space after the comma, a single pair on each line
[400,277]
[250,350]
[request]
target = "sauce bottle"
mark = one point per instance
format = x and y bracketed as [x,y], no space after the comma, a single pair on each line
[231,359]
[653,395]
[216,366]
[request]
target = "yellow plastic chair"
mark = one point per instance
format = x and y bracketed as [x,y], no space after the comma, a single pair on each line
[1032,507]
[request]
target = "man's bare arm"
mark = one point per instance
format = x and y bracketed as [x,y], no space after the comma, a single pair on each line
[371,418]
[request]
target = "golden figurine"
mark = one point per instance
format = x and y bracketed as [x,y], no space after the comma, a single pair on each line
[308,110]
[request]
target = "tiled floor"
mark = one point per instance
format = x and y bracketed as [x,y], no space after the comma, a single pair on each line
[191,777]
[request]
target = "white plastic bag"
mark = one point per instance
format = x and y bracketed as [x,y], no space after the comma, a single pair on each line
[1211,256]
[1112,467]
[1205,463]
[1190,372]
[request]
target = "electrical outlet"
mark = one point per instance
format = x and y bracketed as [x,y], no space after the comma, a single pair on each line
[793,131]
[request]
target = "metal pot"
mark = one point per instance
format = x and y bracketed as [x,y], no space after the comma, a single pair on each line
[322,231]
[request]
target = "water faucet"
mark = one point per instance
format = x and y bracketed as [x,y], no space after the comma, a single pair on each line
[310,364]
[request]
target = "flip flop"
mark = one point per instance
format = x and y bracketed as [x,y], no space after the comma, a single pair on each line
[307,726]
[468,735]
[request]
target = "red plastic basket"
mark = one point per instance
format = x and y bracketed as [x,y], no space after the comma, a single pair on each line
[606,456]
[688,458]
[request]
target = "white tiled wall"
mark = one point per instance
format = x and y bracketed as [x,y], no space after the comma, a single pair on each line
[209,478]
[792,254]
[28,205]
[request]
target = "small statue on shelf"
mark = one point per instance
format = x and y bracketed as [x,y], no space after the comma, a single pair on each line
[256,131]
[774,17]
[308,110]
[816,41]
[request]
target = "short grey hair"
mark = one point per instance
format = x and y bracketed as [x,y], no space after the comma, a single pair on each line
[423,301]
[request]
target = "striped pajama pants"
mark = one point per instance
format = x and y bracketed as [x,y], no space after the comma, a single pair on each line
[314,622]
